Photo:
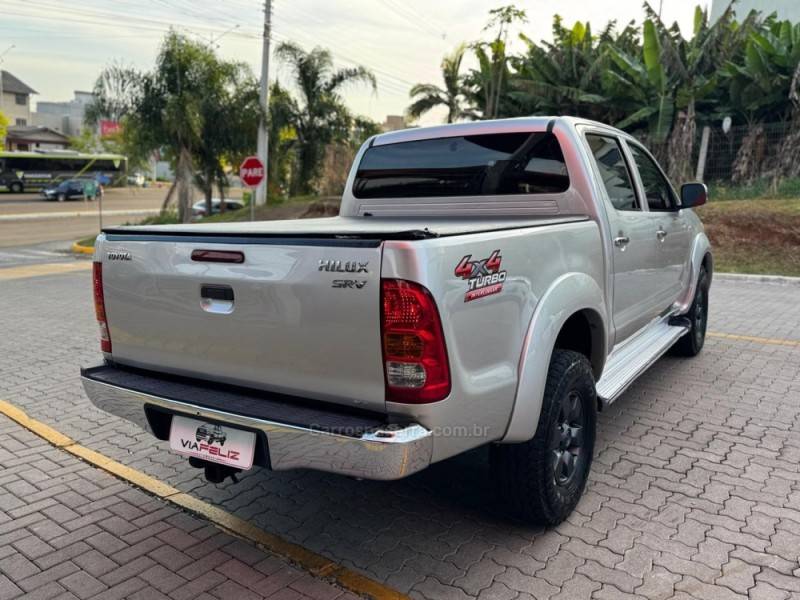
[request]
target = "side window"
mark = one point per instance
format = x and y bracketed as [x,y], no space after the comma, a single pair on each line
[656,187]
[614,171]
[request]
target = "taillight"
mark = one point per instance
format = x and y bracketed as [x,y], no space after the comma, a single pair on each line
[100,306]
[414,353]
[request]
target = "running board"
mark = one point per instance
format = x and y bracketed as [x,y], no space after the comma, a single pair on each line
[635,356]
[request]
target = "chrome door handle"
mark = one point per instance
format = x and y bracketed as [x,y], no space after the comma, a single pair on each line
[621,241]
[661,234]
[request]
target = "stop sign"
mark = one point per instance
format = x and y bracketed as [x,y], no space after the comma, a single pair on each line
[252,171]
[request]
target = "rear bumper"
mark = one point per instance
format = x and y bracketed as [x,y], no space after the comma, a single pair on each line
[352,446]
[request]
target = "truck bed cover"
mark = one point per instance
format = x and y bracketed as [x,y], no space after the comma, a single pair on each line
[344,227]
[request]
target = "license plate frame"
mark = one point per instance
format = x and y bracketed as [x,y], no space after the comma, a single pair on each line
[213,442]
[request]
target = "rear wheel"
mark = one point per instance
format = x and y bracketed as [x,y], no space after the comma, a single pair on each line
[542,479]
[692,342]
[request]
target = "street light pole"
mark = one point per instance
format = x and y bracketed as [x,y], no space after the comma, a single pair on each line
[263,97]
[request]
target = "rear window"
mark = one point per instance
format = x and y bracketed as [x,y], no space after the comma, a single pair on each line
[472,165]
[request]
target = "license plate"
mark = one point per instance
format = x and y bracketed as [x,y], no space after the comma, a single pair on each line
[211,442]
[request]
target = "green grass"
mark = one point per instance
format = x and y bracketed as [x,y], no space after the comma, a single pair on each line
[87,241]
[754,236]
[763,188]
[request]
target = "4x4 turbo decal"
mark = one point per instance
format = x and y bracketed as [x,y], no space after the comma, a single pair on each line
[484,276]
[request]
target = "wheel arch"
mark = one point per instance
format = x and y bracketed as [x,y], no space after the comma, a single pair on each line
[571,315]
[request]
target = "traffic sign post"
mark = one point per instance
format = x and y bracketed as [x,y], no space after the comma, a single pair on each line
[252,173]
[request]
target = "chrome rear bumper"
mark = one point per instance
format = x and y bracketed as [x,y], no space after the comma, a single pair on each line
[381,453]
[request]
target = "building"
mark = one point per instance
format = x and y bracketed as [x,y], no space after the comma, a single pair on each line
[29,137]
[394,123]
[15,100]
[786,9]
[64,117]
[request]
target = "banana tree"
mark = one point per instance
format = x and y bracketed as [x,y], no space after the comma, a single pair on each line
[641,86]
[763,86]
[563,76]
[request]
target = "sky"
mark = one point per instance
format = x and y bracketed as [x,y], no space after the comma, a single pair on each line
[61,46]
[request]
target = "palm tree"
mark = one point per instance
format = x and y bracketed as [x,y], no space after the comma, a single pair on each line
[427,96]
[320,117]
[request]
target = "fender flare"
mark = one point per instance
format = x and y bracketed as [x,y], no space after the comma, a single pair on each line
[701,248]
[569,294]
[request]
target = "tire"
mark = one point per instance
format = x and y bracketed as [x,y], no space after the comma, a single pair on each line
[61,197]
[692,343]
[535,478]
[16,188]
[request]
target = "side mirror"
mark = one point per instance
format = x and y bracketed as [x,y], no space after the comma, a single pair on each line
[693,194]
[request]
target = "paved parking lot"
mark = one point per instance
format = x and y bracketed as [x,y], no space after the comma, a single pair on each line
[69,531]
[695,490]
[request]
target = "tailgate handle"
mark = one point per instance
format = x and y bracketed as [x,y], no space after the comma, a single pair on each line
[217,292]
[222,256]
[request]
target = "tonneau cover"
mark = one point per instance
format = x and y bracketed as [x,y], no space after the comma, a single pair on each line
[359,227]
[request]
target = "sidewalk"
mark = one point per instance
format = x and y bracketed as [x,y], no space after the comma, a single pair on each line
[69,530]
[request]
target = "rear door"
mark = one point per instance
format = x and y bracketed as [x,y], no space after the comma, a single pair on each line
[296,316]
[635,262]
[673,234]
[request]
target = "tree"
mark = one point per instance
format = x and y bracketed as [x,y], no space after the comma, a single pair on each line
[563,76]
[485,85]
[763,86]
[320,116]
[115,93]
[3,130]
[193,108]
[282,139]
[427,96]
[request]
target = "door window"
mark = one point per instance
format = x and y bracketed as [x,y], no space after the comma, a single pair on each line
[613,171]
[656,187]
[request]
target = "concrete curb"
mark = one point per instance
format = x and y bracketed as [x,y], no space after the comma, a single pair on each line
[48,216]
[774,279]
[78,249]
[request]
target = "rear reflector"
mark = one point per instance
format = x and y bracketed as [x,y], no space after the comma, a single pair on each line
[414,353]
[221,256]
[100,306]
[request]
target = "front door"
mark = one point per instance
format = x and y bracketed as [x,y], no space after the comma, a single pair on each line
[673,234]
[634,255]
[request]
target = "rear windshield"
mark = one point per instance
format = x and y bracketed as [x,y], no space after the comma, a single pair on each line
[471,165]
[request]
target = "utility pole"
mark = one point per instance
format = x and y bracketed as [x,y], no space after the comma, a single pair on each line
[263,137]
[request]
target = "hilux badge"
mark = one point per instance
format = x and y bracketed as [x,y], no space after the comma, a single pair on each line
[340,266]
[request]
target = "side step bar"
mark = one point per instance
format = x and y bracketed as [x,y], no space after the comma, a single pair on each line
[635,356]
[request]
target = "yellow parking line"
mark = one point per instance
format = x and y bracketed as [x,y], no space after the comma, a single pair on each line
[314,563]
[40,270]
[751,338]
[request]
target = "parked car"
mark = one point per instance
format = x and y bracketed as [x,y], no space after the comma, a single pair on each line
[492,283]
[70,189]
[199,208]
[137,179]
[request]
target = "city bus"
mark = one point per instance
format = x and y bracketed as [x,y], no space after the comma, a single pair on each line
[31,171]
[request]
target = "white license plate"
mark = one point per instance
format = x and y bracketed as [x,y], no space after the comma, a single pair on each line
[214,443]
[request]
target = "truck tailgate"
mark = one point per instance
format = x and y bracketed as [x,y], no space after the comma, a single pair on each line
[298,316]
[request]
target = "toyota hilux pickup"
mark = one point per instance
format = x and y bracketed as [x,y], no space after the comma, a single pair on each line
[490,283]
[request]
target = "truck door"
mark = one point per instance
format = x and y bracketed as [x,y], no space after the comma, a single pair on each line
[672,236]
[634,258]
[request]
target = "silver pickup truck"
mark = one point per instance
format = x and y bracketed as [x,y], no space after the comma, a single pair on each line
[497,282]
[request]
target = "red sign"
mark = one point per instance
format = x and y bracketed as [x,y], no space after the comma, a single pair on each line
[109,128]
[252,171]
